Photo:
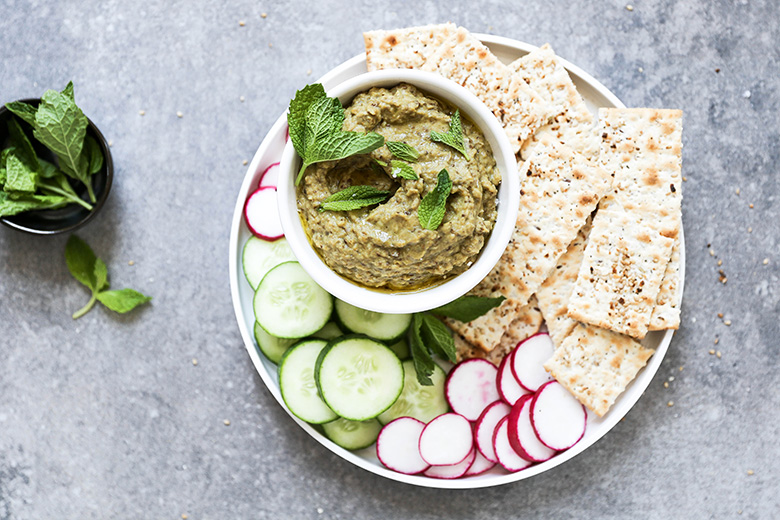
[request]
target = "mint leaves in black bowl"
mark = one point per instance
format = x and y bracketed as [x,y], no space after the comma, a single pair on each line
[55,165]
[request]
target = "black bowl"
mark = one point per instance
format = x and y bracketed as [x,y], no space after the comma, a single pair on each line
[72,216]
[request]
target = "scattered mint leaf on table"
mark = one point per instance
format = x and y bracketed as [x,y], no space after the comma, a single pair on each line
[468,307]
[431,211]
[354,197]
[403,151]
[453,138]
[403,170]
[93,273]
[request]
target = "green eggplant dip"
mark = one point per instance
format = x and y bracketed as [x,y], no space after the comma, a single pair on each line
[383,246]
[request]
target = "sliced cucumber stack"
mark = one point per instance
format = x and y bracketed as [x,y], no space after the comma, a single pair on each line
[420,402]
[359,378]
[388,328]
[260,256]
[289,304]
[352,435]
[297,382]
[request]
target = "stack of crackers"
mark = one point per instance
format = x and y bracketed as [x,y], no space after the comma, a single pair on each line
[595,254]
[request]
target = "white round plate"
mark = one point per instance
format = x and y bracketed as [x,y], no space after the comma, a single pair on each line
[269,152]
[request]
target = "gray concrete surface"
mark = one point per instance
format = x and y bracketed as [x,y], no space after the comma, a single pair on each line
[107,417]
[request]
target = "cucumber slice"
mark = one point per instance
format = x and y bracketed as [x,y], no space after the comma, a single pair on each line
[260,256]
[359,378]
[352,435]
[420,402]
[401,348]
[298,385]
[383,327]
[329,331]
[272,347]
[289,304]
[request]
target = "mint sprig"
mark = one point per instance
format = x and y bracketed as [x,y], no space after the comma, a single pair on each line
[430,336]
[431,211]
[403,170]
[403,151]
[93,273]
[454,137]
[315,122]
[354,197]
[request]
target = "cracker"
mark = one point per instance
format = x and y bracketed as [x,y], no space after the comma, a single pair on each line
[404,48]
[463,59]
[597,365]
[620,276]
[666,313]
[572,123]
[553,295]
[526,323]
[560,188]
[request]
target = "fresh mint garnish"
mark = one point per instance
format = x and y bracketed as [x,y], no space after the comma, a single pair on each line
[431,211]
[403,170]
[421,356]
[453,138]
[93,273]
[354,197]
[315,122]
[468,307]
[403,151]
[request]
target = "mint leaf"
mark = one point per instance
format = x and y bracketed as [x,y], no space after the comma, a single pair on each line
[19,177]
[339,145]
[354,197]
[421,357]
[468,307]
[68,91]
[122,301]
[436,334]
[81,260]
[453,138]
[23,110]
[403,170]
[22,146]
[403,151]
[61,126]
[296,116]
[18,202]
[94,155]
[101,275]
[3,175]
[431,211]
[47,169]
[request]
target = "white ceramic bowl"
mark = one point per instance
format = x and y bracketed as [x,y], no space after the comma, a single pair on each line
[425,299]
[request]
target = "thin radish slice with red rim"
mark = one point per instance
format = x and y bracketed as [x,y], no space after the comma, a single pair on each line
[522,436]
[261,213]
[446,440]
[270,176]
[528,360]
[471,387]
[507,456]
[479,466]
[558,419]
[453,471]
[397,446]
[486,427]
[508,387]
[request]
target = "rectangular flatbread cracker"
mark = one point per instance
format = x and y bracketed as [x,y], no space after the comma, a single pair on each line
[643,148]
[463,59]
[553,296]
[596,365]
[571,121]
[620,276]
[560,188]
[404,48]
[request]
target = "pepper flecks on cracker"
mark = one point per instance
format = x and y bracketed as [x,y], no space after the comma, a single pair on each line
[404,48]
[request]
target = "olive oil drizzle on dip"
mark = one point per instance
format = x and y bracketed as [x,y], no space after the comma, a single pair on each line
[383,246]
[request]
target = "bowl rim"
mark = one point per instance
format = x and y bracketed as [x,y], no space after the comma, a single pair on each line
[100,200]
[431,297]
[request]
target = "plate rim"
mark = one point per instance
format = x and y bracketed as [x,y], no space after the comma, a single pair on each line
[621,408]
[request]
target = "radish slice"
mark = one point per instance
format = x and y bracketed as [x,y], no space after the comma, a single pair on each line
[527,361]
[471,386]
[453,471]
[558,419]
[486,427]
[507,457]
[508,387]
[446,440]
[479,466]
[397,446]
[261,212]
[522,436]
[270,176]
